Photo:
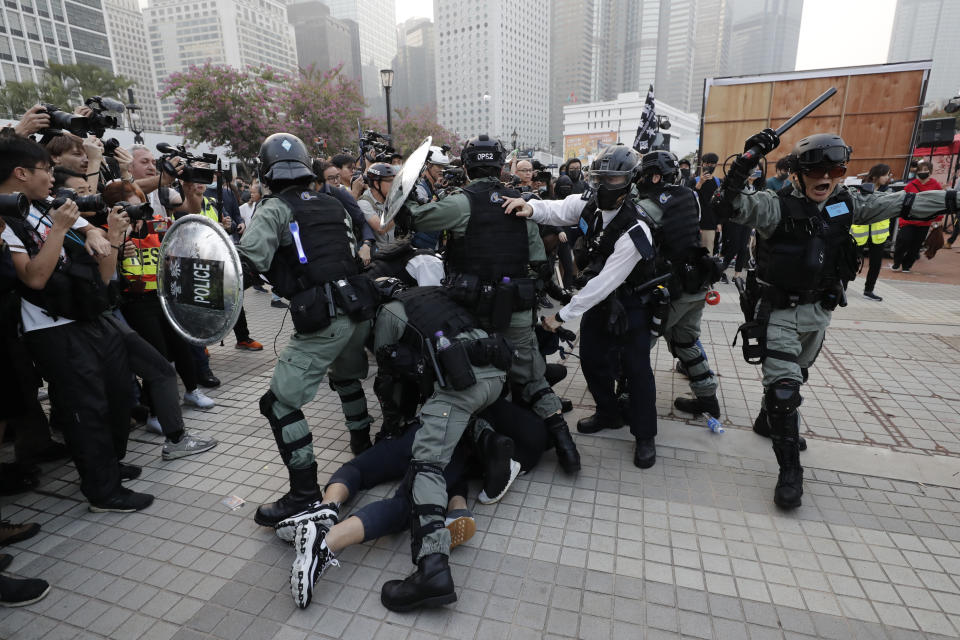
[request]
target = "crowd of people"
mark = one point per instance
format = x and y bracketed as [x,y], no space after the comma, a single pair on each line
[458,295]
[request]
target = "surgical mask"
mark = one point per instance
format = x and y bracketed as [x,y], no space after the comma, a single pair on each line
[923,175]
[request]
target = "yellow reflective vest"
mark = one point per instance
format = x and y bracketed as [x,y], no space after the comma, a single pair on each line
[877,233]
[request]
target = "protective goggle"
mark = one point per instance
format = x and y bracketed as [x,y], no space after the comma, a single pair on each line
[817,173]
[828,155]
[609,179]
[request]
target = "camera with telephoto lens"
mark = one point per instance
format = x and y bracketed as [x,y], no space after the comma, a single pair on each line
[191,172]
[86,204]
[136,212]
[107,114]
[454,177]
[14,205]
[61,121]
[378,143]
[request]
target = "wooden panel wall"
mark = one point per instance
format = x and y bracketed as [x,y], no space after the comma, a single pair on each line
[874,113]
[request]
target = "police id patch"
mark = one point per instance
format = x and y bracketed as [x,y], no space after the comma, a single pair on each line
[496,198]
[664,197]
[837,209]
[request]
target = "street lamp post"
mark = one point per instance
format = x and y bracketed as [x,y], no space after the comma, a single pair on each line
[386,79]
[136,124]
[486,112]
[513,138]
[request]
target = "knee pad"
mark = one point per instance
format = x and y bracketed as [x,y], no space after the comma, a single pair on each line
[286,449]
[783,397]
[439,512]
[266,404]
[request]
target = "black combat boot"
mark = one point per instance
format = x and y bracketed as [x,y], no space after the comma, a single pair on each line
[597,422]
[698,405]
[762,428]
[645,453]
[431,585]
[786,447]
[360,440]
[567,454]
[304,491]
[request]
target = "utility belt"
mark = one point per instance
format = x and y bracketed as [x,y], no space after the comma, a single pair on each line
[758,300]
[452,367]
[698,271]
[493,301]
[314,307]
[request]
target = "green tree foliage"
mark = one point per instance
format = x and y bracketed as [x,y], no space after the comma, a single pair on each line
[63,85]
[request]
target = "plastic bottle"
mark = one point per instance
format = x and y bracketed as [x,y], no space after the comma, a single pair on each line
[442,341]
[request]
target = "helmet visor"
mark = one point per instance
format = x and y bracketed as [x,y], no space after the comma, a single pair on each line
[828,155]
[609,179]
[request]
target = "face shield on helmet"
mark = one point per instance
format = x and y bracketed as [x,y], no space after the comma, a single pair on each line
[610,187]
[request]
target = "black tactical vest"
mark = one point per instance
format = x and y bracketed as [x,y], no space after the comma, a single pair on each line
[430,309]
[679,234]
[495,244]
[325,229]
[810,249]
[602,242]
[75,289]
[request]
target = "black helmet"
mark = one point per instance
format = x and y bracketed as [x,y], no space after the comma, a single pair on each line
[660,162]
[284,157]
[820,149]
[483,152]
[611,174]
[381,171]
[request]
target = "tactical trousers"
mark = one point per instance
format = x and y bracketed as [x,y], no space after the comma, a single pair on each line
[794,340]
[307,358]
[528,369]
[681,331]
[445,417]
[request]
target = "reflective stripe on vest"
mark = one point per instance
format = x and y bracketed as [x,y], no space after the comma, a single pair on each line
[878,232]
[143,266]
[209,210]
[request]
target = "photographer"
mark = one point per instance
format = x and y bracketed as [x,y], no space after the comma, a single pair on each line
[426,191]
[77,348]
[379,178]
[151,181]
[81,156]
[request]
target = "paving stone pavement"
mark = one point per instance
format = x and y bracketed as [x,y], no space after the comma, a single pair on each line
[690,548]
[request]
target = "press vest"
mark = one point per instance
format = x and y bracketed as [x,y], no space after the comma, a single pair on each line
[74,289]
[601,242]
[809,249]
[326,240]
[495,245]
[143,266]
[876,233]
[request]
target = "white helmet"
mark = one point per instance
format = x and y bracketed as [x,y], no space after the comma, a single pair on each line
[437,156]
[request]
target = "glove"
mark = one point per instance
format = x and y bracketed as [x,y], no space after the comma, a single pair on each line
[767,140]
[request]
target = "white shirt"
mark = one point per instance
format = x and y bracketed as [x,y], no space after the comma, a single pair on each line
[33,317]
[615,270]
[246,212]
[371,211]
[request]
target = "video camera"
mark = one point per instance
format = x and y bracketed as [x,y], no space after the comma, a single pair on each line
[377,142]
[191,172]
[106,115]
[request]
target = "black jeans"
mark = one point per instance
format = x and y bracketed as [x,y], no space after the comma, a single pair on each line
[735,244]
[523,426]
[86,364]
[909,240]
[603,355]
[240,330]
[145,316]
[875,256]
[387,461]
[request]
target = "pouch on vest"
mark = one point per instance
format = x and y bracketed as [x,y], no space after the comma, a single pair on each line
[617,320]
[310,310]
[493,351]
[402,360]
[526,297]
[502,309]
[358,296]
[754,334]
[797,268]
[457,370]
[464,289]
[849,260]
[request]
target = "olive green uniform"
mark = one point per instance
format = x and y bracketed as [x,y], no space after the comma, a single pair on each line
[337,349]
[444,418]
[453,214]
[681,329]
[799,331]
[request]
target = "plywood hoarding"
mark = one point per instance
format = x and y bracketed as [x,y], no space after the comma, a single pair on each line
[876,110]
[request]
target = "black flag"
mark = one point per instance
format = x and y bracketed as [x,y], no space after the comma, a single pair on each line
[649,127]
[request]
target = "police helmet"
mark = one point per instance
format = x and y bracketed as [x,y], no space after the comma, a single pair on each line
[663,163]
[381,171]
[483,152]
[438,157]
[820,149]
[284,157]
[611,174]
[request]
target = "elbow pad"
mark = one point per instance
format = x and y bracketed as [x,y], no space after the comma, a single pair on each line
[950,200]
[907,207]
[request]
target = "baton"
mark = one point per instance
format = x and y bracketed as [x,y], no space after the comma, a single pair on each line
[754,152]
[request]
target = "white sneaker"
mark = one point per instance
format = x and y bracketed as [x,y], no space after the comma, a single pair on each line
[190,444]
[153,426]
[198,399]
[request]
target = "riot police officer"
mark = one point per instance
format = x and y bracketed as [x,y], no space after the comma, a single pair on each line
[488,261]
[805,257]
[614,303]
[675,211]
[303,242]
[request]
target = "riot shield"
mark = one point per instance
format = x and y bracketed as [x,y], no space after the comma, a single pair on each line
[199,280]
[405,182]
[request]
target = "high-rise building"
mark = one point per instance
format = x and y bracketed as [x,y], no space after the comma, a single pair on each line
[927,29]
[238,33]
[571,60]
[377,20]
[58,31]
[324,41]
[131,56]
[494,72]
[415,74]
[763,36]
